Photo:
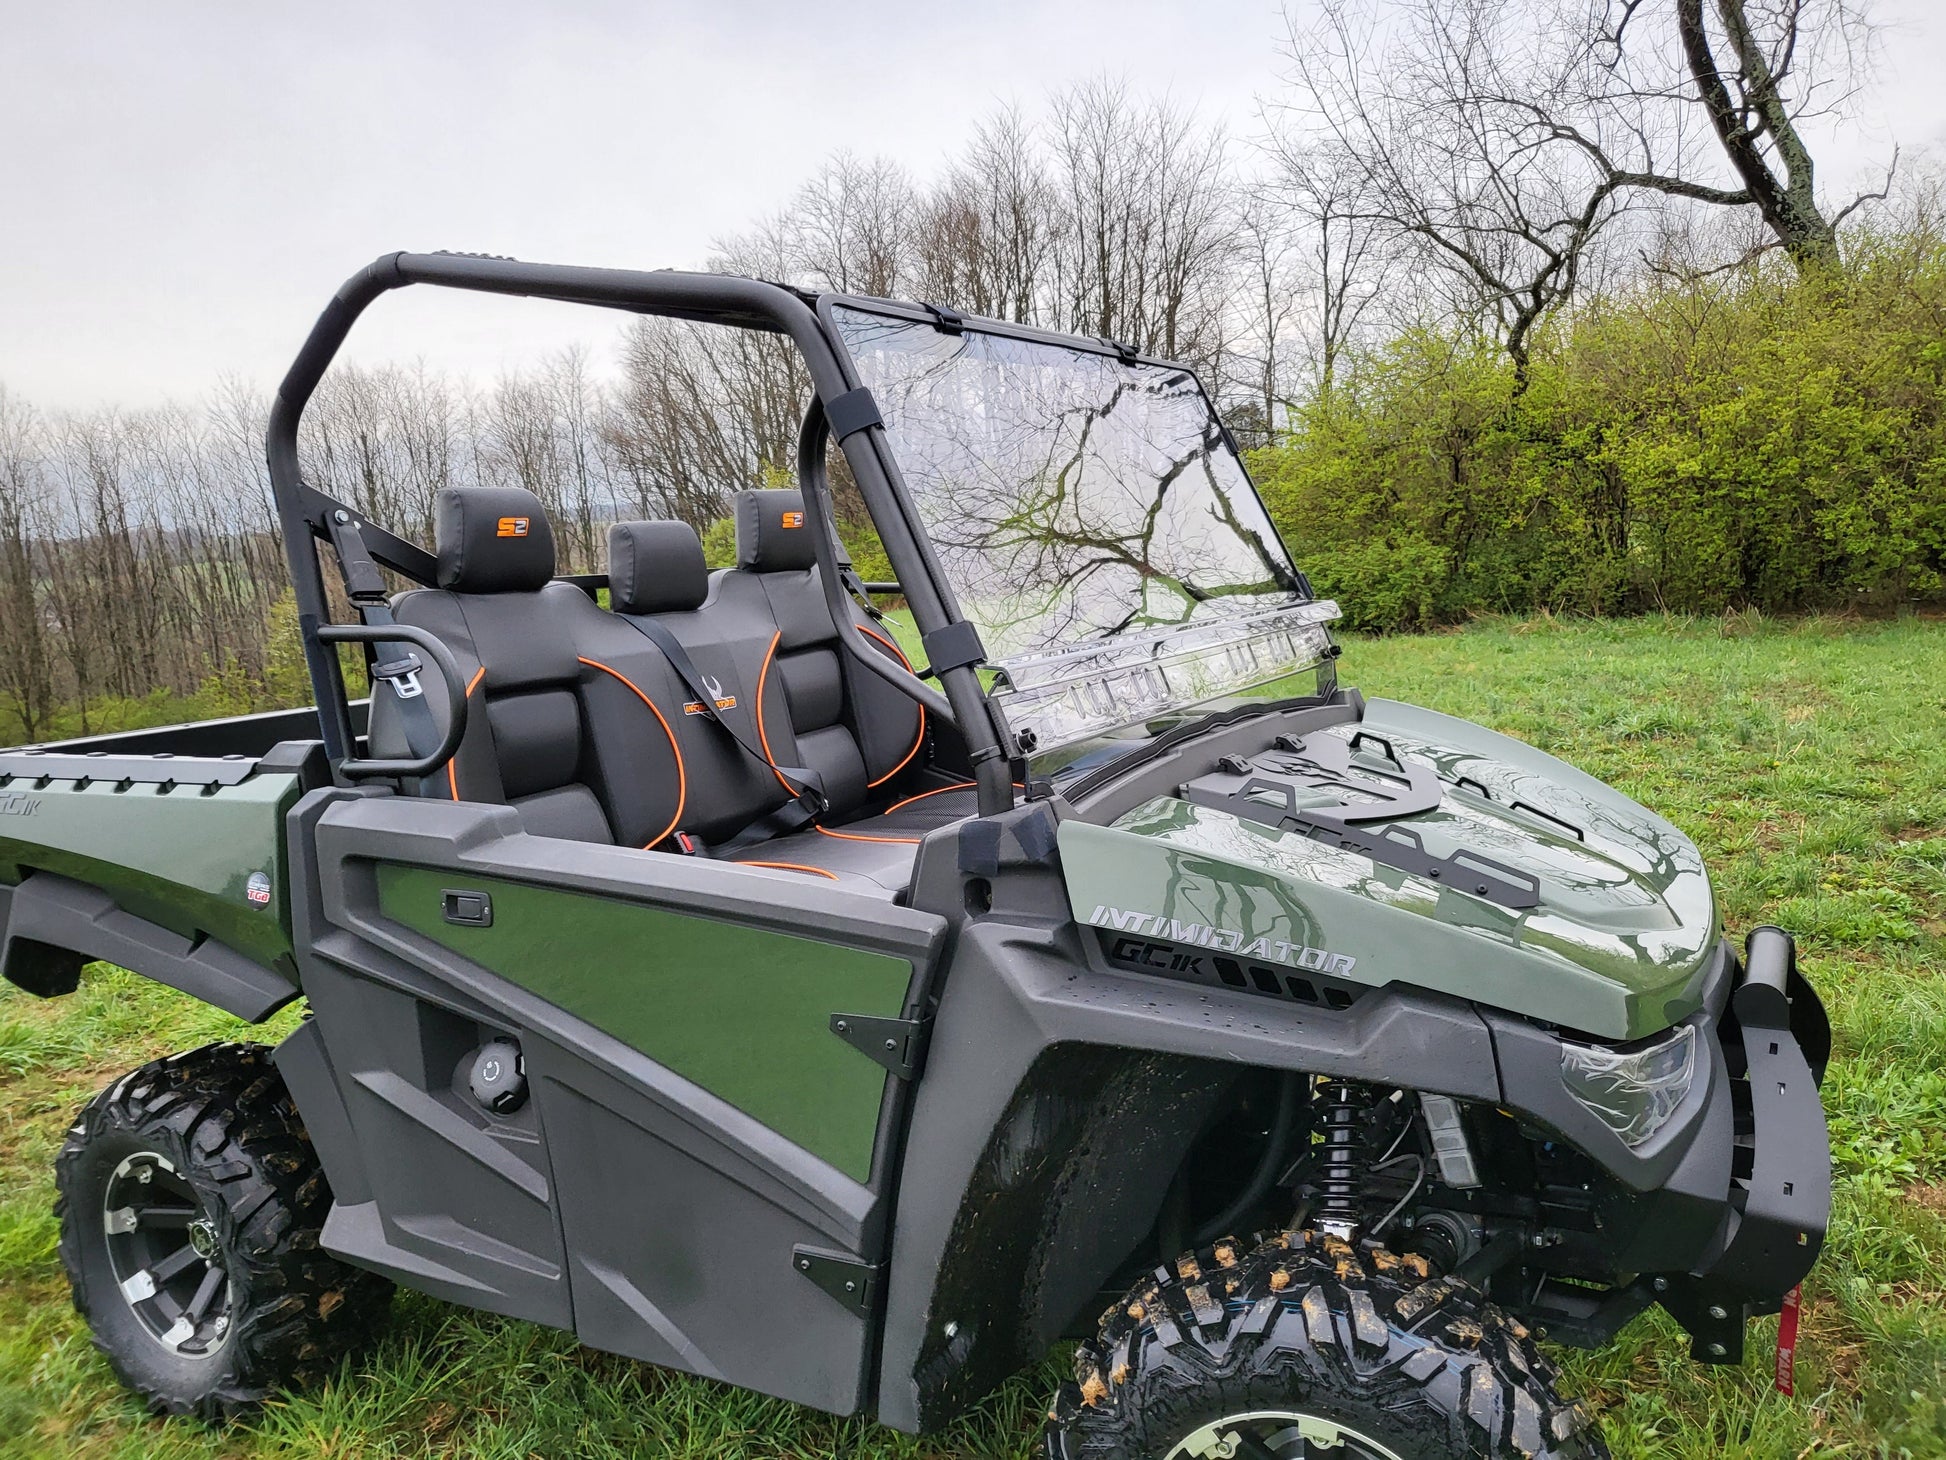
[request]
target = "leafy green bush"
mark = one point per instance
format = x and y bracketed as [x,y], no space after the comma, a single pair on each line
[1754,440]
[720,543]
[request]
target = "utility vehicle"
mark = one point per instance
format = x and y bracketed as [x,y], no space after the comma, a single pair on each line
[697,970]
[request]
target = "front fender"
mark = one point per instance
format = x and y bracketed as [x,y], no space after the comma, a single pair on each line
[1058,1099]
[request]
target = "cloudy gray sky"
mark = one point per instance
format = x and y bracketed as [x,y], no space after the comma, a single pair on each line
[182,183]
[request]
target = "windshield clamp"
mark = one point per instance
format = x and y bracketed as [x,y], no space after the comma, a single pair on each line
[949,320]
[1124,351]
[852,412]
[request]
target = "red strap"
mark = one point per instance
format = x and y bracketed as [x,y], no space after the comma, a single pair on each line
[1787,1342]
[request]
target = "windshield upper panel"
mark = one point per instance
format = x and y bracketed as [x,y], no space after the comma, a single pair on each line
[1072,498]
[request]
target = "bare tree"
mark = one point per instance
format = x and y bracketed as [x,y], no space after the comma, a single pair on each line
[984,236]
[1146,221]
[1312,201]
[1259,368]
[1503,142]
[25,673]
[1756,106]
[851,225]
[1435,133]
[702,413]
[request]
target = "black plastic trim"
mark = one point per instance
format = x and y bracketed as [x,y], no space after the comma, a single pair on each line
[55,924]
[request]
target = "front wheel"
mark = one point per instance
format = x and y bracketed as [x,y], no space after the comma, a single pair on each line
[190,1207]
[1308,1348]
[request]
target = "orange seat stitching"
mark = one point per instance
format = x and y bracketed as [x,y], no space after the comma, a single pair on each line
[791,867]
[763,676]
[452,776]
[852,836]
[682,775]
[936,791]
[917,740]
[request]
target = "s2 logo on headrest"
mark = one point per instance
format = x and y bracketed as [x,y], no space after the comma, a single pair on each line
[793,519]
[512,527]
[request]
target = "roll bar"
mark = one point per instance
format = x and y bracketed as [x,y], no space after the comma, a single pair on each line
[308,515]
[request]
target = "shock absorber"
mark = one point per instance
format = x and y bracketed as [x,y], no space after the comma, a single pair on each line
[1346,1126]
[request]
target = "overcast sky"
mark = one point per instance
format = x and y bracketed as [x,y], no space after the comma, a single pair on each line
[183,184]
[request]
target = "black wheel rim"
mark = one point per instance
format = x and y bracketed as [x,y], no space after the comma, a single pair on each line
[1281,1434]
[165,1256]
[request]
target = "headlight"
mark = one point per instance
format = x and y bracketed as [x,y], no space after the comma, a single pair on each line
[1633,1091]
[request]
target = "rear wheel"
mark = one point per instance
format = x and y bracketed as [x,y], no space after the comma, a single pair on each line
[190,1206]
[1307,1348]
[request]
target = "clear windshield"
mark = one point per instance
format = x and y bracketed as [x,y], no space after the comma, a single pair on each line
[1093,521]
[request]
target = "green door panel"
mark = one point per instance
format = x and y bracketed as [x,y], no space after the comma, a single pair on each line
[180,857]
[743,1012]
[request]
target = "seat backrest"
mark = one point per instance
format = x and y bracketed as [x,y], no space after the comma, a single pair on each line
[819,707]
[511,631]
[688,772]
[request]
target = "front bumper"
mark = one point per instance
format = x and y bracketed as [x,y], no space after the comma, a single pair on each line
[1776,1040]
[1721,1213]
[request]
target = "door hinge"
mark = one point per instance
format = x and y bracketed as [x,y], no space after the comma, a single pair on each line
[844,1277]
[898,1044]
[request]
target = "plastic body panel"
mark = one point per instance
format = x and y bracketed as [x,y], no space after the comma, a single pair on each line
[179,855]
[626,1201]
[50,926]
[1618,946]
[1029,1010]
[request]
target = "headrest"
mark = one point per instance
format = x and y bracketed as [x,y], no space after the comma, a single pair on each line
[773,535]
[655,567]
[492,540]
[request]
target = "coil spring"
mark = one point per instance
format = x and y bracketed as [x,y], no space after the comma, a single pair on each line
[1346,1126]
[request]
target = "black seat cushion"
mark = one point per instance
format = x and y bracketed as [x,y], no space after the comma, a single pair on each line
[492,540]
[656,567]
[822,709]
[510,630]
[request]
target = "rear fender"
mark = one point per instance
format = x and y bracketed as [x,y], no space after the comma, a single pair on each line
[51,925]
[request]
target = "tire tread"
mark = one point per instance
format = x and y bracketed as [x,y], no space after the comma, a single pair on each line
[300,1310]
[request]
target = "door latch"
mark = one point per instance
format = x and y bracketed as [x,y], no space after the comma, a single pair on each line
[468,909]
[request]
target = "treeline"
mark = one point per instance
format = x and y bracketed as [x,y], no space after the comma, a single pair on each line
[1753,438]
[1479,366]
[141,571]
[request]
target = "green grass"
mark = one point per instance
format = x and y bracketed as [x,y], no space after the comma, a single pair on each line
[1808,759]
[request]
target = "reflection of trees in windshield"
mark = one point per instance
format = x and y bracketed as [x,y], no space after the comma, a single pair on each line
[1070,497]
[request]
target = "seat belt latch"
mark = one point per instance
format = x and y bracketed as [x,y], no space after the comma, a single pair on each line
[402,675]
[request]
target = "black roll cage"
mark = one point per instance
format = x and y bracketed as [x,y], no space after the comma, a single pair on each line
[308,516]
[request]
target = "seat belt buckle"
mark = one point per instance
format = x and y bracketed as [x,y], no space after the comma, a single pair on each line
[402,675]
[688,845]
[814,801]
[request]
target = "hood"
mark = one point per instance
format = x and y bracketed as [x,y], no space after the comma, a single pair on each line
[1514,880]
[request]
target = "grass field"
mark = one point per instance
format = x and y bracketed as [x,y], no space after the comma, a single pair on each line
[1808,760]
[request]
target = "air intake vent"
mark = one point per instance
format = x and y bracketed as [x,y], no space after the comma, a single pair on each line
[1201,966]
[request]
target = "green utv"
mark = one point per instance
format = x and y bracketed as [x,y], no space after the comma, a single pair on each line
[698,973]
